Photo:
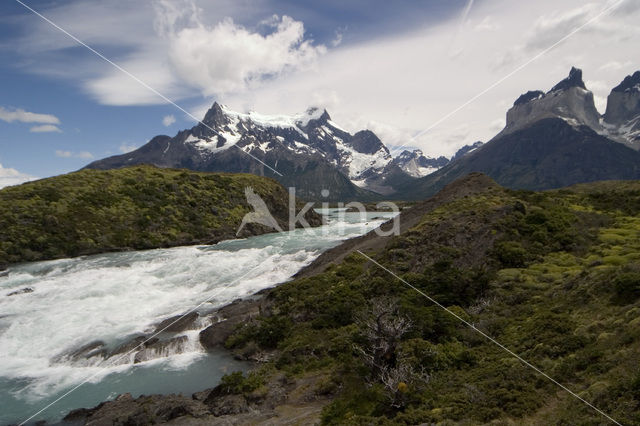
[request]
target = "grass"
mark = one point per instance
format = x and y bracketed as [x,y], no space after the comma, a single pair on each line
[554,276]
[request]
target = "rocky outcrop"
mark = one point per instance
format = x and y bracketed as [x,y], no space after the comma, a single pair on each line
[280,400]
[228,318]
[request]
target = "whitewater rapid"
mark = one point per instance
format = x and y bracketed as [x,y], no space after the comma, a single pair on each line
[111,297]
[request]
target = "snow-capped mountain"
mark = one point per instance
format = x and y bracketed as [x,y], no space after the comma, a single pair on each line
[415,164]
[308,150]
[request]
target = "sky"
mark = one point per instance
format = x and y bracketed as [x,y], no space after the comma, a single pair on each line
[429,74]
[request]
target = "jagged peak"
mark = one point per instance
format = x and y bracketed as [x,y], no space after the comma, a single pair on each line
[528,97]
[574,80]
[215,115]
[630,82]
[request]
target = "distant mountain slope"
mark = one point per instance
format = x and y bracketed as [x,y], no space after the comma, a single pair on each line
[552,140]
[142,207]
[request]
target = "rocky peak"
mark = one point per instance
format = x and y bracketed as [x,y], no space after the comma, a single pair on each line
[215,116]
[568,100]
[623,103]
[631,83]
[574,80]
[468,149]
[622,118]
[366,142]
[529,96]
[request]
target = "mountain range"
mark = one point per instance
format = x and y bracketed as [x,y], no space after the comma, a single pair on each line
[308,151]
[554,139]
[551,139]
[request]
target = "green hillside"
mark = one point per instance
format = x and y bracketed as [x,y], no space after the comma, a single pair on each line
[554,276]
[93,211]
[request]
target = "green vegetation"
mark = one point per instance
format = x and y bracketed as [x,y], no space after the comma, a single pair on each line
[142,207]
[554,276]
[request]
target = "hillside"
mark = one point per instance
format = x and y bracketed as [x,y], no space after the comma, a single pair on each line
[554,276]
[143,207]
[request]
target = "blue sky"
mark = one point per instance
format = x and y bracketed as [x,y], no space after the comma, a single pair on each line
[394,67]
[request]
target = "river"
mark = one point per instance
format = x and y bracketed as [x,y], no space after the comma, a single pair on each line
[112,297]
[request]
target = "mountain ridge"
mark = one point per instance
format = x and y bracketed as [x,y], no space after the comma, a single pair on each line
[554,139]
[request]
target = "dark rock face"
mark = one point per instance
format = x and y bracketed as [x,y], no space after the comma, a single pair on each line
[228,318]
[529,96]
[574,80]
[366,142]
[178,323]
[629,83]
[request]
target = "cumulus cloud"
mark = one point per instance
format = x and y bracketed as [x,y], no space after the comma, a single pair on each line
[23,116]
[228,57]
[44,128]
[10,177]
[192,57]
[85,155]
[168,120]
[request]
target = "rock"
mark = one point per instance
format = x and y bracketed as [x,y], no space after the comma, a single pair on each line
[90,350]
[21,291]
[129,346]
[162,349]
[202,395]
[216,334]
[144,410]
[177,323]
[231,316]
[226,405]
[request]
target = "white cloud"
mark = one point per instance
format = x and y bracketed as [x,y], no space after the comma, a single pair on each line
[411,81]
[23,116]
[189,57]
[168,120]
[229,58]
[127,147]
[10,177]
[397,84]
[44,128]
[85,155]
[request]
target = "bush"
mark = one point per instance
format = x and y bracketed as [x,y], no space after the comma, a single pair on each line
[627,287]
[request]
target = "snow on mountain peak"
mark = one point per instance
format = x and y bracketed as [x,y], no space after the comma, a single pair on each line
[278,120]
